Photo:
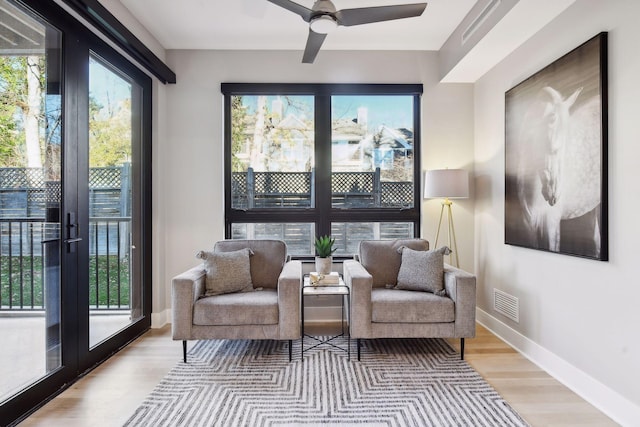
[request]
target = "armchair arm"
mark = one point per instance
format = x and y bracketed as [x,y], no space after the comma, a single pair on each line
[289,285]
[359,281]
[461,288]
[186,288]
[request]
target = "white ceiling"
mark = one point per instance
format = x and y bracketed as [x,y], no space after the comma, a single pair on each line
[261,25]
[258,24]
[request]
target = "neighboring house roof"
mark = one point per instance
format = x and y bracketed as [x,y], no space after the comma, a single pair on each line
[291,122]
[347,130]
[396,137]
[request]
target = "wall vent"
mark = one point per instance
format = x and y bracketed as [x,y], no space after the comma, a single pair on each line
[473,27]
[506,304]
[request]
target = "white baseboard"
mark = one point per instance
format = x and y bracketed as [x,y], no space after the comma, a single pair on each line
[614,405]
[158,320]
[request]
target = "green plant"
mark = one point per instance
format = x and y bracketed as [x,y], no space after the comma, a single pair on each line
[324,246]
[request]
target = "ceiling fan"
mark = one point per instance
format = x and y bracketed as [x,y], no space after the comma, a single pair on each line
[323,17]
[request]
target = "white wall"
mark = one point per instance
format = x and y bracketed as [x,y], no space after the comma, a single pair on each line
[160,300]
[190,165]
[572,310]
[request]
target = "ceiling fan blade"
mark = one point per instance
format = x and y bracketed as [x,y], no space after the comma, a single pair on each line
[314,42]
[367,15]
[295,8]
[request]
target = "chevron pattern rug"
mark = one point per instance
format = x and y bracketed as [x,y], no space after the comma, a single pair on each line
[414,382]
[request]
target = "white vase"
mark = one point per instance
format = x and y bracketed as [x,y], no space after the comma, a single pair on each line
[323,265]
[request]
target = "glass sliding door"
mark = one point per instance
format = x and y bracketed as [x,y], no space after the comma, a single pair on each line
[30,199]
[75,203]
[114,133]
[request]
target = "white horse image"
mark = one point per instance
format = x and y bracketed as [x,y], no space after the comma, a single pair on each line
[559,178]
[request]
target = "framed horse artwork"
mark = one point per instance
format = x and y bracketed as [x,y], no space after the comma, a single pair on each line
[556,155]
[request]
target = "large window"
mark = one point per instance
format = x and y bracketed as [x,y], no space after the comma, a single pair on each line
[309,160]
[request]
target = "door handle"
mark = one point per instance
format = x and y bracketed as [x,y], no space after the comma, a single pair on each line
[72,232]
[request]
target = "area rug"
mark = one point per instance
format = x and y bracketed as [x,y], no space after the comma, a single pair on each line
[413,382]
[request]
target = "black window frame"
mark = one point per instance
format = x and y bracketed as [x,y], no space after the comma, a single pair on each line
[323,214]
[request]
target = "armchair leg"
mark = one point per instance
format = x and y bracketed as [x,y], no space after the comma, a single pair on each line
[290,349]
[358,349]
[461,348]
[184,350]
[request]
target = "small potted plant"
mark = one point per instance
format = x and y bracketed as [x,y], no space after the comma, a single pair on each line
[324,250]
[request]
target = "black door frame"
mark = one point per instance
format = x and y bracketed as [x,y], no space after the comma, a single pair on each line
[77,358]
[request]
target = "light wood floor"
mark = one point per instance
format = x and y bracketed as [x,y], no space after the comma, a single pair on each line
[109,394]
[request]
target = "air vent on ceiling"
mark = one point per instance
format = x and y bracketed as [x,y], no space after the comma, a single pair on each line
[506,304]
[476,23]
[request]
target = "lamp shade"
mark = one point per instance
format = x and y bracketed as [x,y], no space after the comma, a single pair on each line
[446,183]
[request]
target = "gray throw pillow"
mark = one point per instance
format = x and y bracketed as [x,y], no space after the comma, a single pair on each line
[422,270]
[227,272]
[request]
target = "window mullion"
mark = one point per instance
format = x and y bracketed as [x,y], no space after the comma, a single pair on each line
[228,212]
[323,164]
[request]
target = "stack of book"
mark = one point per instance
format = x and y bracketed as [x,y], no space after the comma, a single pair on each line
[318,279]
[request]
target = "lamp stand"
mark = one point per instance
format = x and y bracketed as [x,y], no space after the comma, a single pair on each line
[451,231]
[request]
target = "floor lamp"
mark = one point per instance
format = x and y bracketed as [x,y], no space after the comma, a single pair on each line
[447,184]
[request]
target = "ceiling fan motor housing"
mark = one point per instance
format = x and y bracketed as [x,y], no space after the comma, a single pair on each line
[323,7]
[323,20]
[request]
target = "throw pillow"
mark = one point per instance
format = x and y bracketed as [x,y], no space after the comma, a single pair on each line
[227,272]
[422,270]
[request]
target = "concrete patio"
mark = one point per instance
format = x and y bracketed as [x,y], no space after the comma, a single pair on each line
[23,354]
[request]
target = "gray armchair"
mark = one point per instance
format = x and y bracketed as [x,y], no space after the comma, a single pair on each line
[380,312]
[270,312]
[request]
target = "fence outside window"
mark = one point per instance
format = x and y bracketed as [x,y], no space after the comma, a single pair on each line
[24,232]
[349,190]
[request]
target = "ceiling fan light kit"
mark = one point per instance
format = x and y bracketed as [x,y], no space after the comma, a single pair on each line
[323,24]
[323,18]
